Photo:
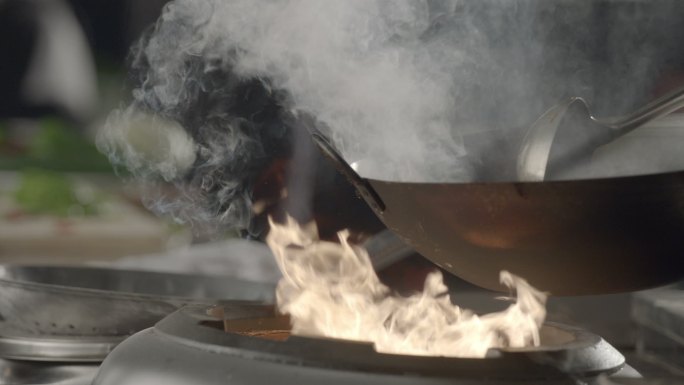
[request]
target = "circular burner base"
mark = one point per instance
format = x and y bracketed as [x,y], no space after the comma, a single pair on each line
[190,346]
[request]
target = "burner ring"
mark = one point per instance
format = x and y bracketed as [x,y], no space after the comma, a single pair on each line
[192,342]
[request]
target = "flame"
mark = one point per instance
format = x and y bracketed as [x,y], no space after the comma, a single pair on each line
[331,290]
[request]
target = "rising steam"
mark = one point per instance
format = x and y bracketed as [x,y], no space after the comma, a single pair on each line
[331,290]
[413,90]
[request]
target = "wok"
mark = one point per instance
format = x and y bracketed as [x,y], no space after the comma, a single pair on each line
[570,237]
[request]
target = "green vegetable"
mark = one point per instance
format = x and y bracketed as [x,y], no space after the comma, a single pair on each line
[55,146]
[58,141]
[49,192]
[62,147]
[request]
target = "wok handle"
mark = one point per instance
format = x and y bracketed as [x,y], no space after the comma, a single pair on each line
[662,106]
[362,185]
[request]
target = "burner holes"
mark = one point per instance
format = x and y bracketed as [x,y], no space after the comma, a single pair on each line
[72,327]
[94,329]
[54,325]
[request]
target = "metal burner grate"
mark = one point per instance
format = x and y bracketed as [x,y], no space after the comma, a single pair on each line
[251,345]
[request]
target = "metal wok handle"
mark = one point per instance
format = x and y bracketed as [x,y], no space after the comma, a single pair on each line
[664,105]
[362,186]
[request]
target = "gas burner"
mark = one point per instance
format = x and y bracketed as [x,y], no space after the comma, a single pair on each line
[248,344]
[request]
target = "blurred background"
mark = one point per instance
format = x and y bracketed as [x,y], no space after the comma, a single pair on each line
[61,201]
[64,71]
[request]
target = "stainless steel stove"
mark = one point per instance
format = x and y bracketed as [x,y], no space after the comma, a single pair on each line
[57,324]
[243,344]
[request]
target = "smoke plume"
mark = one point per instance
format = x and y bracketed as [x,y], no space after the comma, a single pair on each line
[412,90]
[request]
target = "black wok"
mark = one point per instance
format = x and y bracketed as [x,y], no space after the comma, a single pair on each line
[571,237]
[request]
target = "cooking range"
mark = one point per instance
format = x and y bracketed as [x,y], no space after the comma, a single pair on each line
[253,113]
[246,345]
[83,326]
[233,341]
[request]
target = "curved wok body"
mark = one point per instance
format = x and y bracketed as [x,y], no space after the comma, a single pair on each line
[565,237]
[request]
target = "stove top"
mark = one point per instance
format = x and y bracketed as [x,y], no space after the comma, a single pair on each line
[192,346]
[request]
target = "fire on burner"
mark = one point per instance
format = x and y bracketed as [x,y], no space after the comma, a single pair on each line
[331,290]
[271,325]
[244,343]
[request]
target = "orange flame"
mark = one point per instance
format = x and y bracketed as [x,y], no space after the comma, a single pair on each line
[331,290]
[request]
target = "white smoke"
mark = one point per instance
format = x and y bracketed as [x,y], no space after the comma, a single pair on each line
[412,90]
[360,67]
[148,144]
